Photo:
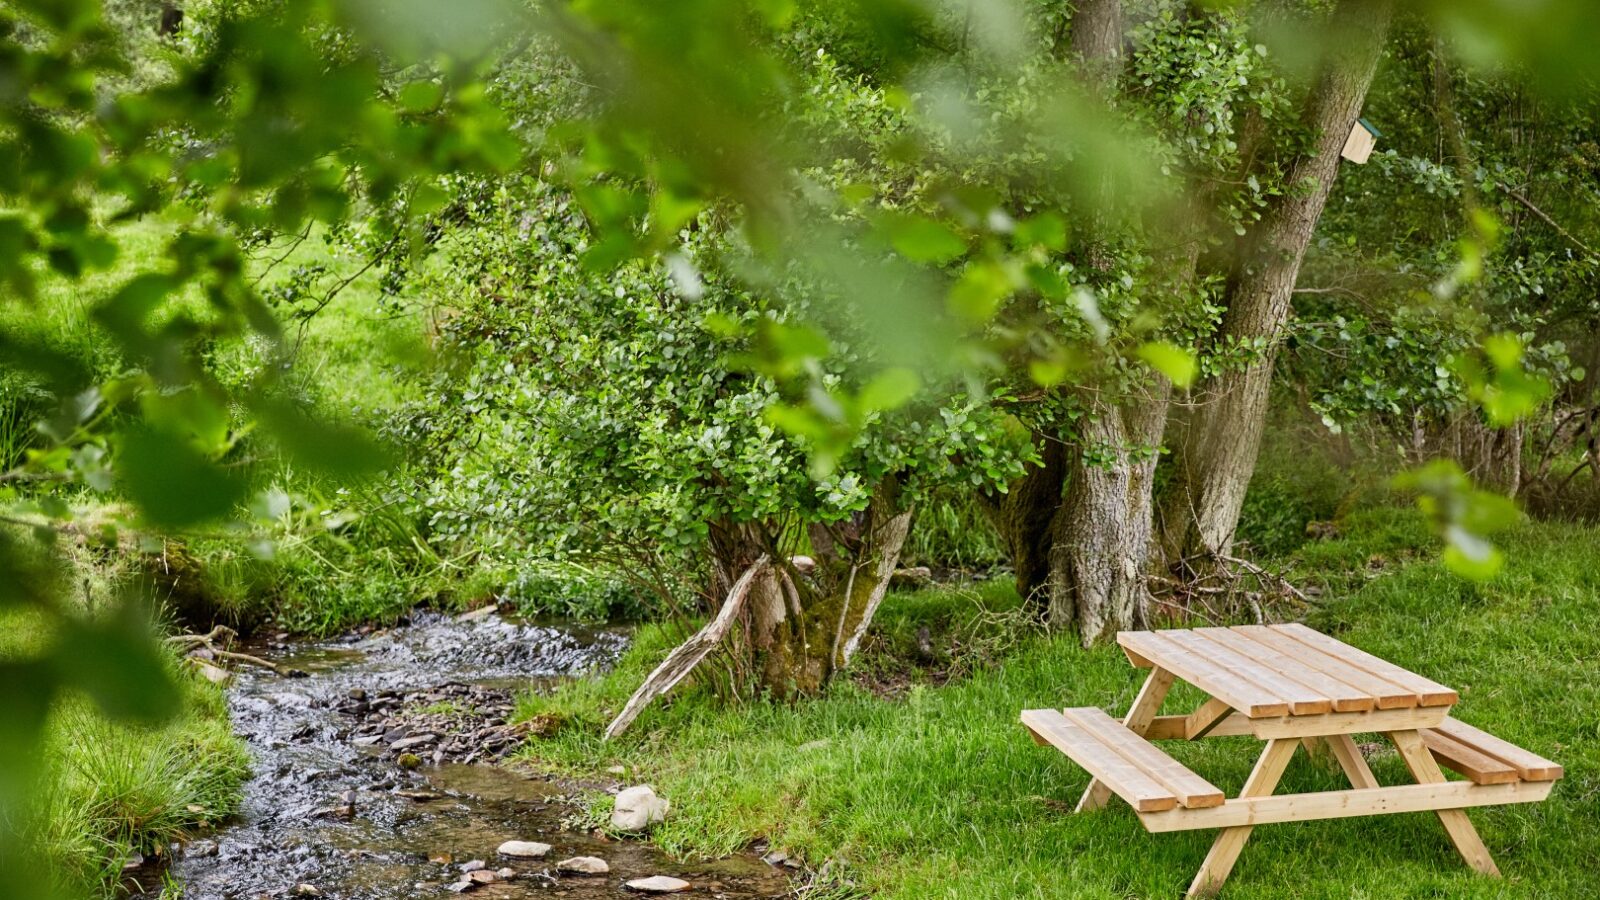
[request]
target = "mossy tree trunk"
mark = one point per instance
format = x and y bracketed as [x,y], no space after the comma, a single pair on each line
[805,620]
[789,625]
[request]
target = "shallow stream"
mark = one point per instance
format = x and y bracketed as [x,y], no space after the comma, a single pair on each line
[332,812]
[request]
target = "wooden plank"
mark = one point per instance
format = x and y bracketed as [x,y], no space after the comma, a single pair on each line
[1351,761]
[1127,780]
[1134,659]
[1237,692]
[1137,720]
[1387,694]
[1344,697]
[1191,790]
[1225,849]
[1349,723]
[1205,719]
[1302,700]
[1456,824]
[1529,765]
[1175,728]
[1406,798]
[1480,767]
[1431,693]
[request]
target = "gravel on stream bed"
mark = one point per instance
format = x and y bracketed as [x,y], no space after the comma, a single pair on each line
[378,777]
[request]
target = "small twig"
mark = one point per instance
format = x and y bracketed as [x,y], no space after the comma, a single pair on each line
[1265,576]
[1513,194]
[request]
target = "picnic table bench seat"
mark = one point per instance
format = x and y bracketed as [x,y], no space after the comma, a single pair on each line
[1484,758]
[1132,767]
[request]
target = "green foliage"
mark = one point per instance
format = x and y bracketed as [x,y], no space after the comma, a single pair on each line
[112,788]
[951,531]
[1465,515]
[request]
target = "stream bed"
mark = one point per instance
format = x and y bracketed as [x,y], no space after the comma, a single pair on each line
[375,776]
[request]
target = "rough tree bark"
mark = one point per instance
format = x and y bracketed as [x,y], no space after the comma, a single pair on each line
[1102,535]
[791,625]
[1022,517]
[805,622]
[1079,525]
[1224,431]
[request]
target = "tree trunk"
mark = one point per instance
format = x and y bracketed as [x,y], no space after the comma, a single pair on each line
[1102,537]
[1224,432]
[1022,517]
[802,627]
[788,627]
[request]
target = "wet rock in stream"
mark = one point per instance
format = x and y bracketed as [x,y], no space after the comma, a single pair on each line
[330,806]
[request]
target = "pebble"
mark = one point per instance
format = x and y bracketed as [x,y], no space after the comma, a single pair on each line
[637,808]
[506,874]
[416,741]
[659,884]
[584,865]
[473,866]
[523,849]
[305,890]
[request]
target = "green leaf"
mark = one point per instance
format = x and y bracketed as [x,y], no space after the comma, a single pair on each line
[117,663]
[1046,230]
[429,199]
[421,96]
[27,689]
[1472,557]
[890,389]
[173,484]
[924,240]
[343,451]
[1178,364]
[977,294]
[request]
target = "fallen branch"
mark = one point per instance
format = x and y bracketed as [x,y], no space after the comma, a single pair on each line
[1265,576]
[224,635]
[683,660]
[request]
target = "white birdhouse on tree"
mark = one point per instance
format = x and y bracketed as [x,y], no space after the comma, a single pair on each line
[1358,146]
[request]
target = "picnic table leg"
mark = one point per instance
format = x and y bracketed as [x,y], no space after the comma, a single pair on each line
[1225,850]
[1425,769]
[1144,708]
[1351,761]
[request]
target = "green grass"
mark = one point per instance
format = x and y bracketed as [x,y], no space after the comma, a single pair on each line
[936,792]
[111,790]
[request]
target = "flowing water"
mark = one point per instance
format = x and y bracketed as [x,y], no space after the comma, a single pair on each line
[330,806]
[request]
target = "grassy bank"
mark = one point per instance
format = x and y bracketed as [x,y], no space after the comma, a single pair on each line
[115,790]
[920,790]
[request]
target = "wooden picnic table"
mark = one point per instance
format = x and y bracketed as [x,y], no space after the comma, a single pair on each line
[1287,685]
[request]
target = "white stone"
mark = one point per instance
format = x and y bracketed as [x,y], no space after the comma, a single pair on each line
[584,865]
[638,808]
[523,849]
[659,884]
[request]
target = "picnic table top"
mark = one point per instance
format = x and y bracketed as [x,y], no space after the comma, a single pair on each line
[1278,670]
